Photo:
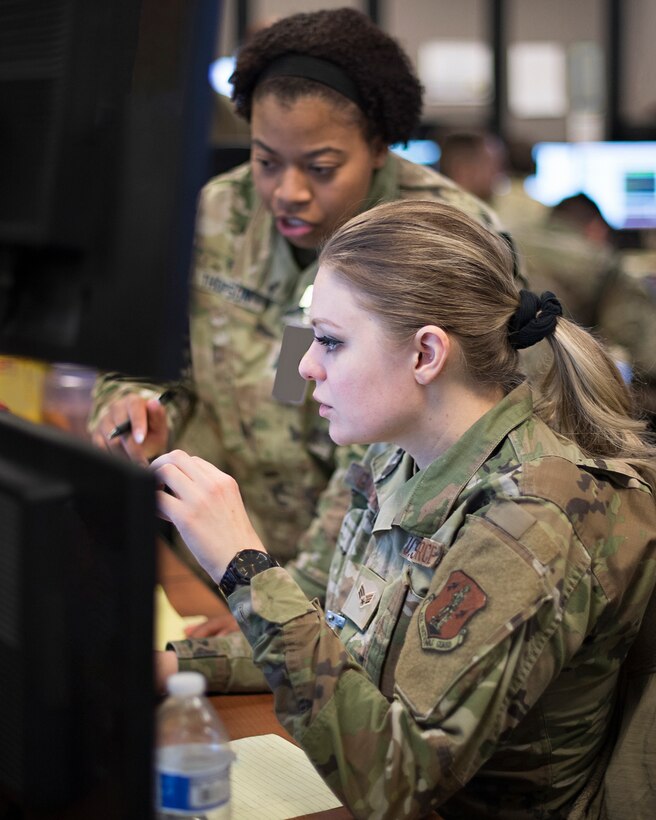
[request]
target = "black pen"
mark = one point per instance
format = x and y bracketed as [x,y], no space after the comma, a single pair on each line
[126,426]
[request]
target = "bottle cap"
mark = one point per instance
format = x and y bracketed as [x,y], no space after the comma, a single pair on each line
[184,684]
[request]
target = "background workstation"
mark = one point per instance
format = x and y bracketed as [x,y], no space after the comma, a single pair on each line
[523,70]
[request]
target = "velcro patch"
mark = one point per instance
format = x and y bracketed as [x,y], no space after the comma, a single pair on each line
[511,517]
[363,599]
[445,614]
[422,551]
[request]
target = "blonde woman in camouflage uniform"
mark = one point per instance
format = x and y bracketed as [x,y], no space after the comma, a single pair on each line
[495,564]
[325,94]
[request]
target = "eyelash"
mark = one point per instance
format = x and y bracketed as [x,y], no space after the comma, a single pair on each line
[328,342]
[321,171]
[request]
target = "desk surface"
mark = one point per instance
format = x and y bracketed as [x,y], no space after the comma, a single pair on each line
[242,715]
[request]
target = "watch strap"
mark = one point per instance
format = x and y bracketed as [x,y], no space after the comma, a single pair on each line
[232,577]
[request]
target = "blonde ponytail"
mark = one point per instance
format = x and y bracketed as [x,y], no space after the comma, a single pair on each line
[583,396]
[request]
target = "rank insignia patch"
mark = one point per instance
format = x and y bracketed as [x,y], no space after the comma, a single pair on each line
[365,597]
[444,617]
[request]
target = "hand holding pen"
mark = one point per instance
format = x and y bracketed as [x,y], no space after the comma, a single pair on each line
[136,426]
[125,427]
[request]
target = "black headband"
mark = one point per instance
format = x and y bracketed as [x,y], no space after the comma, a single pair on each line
[534,319]
[313,68]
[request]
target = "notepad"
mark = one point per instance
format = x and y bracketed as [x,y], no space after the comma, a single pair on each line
[169,624]
[273,778]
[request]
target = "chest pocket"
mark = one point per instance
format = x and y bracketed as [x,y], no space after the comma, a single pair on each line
[373,610]
[352,544]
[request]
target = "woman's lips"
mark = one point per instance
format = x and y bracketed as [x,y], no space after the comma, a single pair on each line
[324,409]
[292,227]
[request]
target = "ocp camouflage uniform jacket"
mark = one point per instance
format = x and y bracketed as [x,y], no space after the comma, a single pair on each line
[480,611]
[246,285]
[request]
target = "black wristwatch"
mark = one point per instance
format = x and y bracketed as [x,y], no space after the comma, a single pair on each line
[243,567]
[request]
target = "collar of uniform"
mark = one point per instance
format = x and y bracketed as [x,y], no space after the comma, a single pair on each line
[384,184]
[400,494]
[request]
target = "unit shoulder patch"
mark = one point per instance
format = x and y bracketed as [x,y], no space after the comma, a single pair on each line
[445,614]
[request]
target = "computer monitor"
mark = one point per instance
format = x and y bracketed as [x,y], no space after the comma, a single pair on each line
[103,149]
[619,176]
[104,145]
[78,530]
[420,151]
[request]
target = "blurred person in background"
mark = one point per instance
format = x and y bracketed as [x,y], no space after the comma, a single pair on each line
[475,161]
[573,252]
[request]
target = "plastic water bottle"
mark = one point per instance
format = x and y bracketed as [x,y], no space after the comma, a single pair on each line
[193,756]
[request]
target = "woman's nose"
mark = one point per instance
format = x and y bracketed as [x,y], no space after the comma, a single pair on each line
[309,368]
[293,187]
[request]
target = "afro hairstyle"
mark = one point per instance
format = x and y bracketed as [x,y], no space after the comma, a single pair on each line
[390,92]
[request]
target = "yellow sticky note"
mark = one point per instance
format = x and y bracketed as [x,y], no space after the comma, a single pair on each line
[169,624]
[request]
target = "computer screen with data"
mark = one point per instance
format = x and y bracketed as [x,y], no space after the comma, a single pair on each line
[619,176]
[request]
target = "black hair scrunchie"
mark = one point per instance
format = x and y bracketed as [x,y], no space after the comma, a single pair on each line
[534,319]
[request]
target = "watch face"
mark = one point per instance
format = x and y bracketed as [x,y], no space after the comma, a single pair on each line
[249,562]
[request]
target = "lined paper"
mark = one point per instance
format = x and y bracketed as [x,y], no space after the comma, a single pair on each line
[273,778]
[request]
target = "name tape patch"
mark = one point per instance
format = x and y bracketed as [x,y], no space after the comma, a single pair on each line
[422,551]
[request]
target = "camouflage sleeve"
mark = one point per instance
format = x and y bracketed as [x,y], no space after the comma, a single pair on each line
[455,697]
[311,566]
[225,661]
[112,386]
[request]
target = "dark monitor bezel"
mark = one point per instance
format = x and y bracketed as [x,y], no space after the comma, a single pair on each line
[76,627]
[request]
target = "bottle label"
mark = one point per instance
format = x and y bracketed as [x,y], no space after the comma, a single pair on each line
[196,792]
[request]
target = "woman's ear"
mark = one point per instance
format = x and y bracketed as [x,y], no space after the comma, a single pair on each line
[432,348]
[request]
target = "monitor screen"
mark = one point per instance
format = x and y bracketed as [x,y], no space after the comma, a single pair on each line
[423,152]
[619,176]
[104,146]
[78,530]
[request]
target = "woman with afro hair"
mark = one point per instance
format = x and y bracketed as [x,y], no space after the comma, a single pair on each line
[325,94]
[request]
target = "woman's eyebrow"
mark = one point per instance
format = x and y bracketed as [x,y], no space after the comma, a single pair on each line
[309,155]
[319,321]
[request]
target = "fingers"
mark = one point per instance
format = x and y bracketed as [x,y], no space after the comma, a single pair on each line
[219,625]
[148,428]
[130,409]
[157,426]
[206,507]
[179,471]
[166,664]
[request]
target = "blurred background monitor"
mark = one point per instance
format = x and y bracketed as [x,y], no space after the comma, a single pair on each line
[423,152]
[619,176]
[219,74]
[103,149]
